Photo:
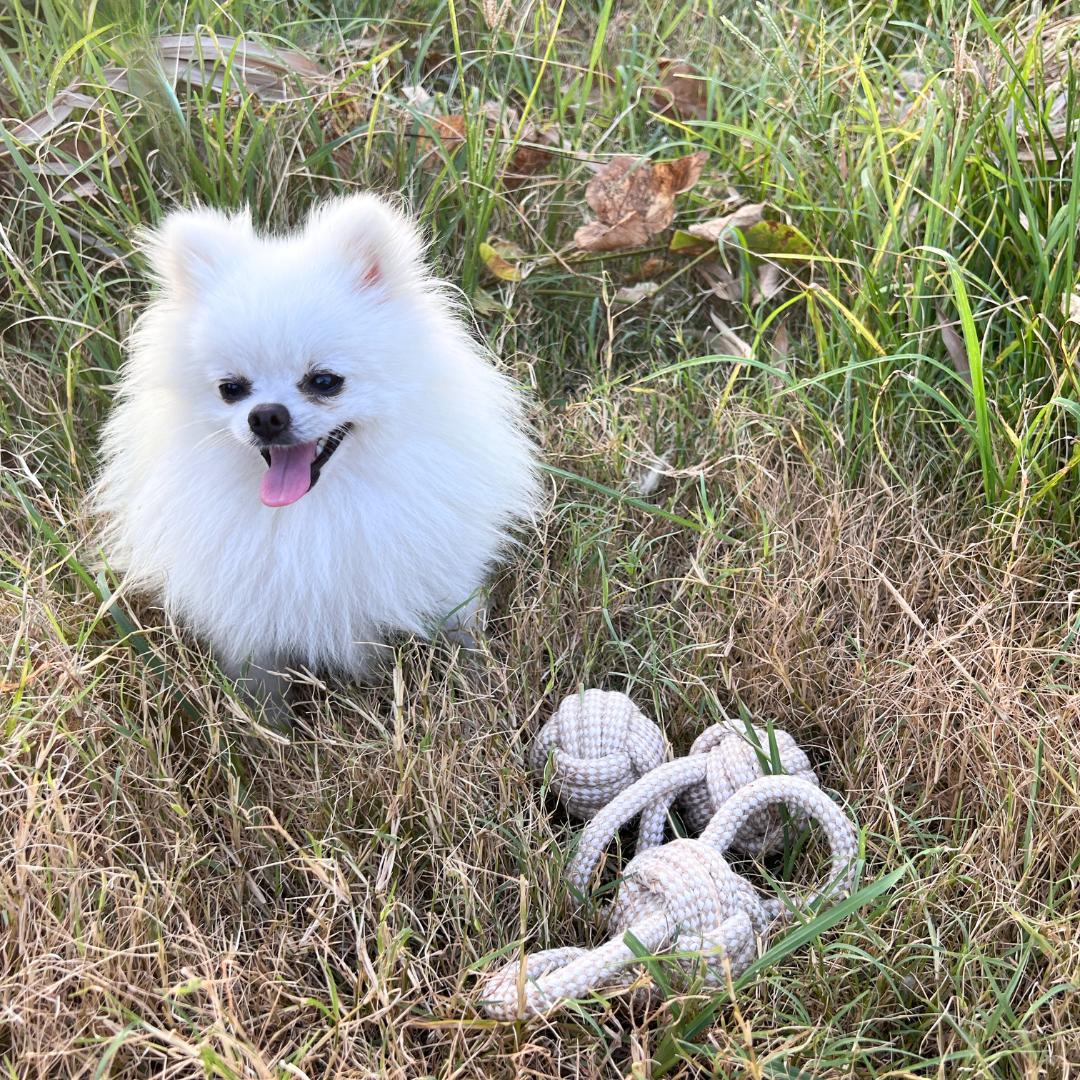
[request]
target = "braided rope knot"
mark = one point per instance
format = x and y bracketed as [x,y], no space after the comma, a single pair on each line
[732,762]
[681,894]
[600,743]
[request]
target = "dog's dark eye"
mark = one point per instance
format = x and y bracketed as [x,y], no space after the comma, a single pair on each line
[324,383]
[234,389]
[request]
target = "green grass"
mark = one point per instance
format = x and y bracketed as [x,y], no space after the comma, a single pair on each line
[184,893]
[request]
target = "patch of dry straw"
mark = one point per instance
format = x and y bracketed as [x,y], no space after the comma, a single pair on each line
[182,894]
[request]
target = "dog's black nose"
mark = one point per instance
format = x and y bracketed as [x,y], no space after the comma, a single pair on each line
[268,422]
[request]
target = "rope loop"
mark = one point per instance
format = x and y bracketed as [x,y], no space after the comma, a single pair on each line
[733,762]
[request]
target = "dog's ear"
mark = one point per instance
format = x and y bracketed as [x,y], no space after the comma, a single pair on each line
[380,248]
[191,249]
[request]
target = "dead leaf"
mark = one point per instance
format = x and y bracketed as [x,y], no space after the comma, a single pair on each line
[486,304]
[206,60]
[526,161]
[682,92]
[653,267]
[780,344]
[682,243]
[77,154]
[200,60]
[635,199]
[571,92]
[532,155]
[508,249]
[728,340]
[633,294]
[742,218]
[776,238]
[769,283]
[497,254]
[630,184]
[596,236]
[497,265]
[433,60]
[1070,307]
[954,346]
[55,113]
[722,282]
[63,105]
[449,137]
[416,97]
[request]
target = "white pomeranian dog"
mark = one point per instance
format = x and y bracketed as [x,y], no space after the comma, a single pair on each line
[308,452]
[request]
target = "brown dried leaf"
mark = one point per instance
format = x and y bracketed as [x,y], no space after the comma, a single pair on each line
[727,342]
[780,353]
[58,110]
[596,236]
[531,155]
[722,282]
[71,156]
[608,192]
[433,60]
[1039,147]
[954,346]
[780,345]
[201,61]
[450,135]
[63,105]
[742,218]
[629,188]
[682,92]
[526,162]
[498,266]
[633,294]
[416,97]
[652,268]
[769,283]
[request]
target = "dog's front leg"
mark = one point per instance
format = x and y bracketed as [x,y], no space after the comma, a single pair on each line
[268,692]
[466,622]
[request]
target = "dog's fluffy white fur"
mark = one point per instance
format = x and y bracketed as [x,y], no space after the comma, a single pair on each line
[408,515]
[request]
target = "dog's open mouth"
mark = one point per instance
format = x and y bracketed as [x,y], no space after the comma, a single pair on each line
[294,470]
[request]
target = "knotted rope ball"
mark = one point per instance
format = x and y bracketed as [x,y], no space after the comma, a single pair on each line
[732,763]
[679,888]
[600,743]
[682,894]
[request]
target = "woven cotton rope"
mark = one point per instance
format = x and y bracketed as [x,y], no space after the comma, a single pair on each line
[608,767]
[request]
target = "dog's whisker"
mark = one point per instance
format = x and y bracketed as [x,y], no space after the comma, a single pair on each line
[221,435]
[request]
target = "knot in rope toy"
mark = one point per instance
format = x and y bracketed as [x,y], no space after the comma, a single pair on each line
[732,762]
[682,894]
[601,743]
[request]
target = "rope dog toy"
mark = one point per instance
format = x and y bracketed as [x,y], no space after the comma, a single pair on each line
[681,892]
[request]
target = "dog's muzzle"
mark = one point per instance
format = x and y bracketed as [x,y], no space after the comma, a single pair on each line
[333,441]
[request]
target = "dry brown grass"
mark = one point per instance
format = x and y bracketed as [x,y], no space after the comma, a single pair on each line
[182,896]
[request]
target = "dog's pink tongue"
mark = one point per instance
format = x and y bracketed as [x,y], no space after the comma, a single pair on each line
[289,475]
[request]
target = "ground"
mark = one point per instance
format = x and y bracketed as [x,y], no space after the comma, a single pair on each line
[841,500]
